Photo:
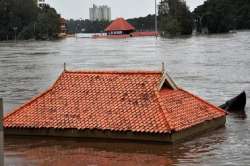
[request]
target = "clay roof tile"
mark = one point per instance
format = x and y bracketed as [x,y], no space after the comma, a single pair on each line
[120,103]
[120,24]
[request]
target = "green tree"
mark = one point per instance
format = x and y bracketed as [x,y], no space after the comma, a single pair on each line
[143,23]
[219,16]
[15,15]
[87,26]
[175,18]
[22,18]
[48,23]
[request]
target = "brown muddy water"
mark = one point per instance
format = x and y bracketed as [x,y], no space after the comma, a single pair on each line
[215,67]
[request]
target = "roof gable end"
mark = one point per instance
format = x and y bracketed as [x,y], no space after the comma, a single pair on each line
[167,82]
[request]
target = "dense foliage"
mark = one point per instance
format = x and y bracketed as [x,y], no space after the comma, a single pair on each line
[47,24]
[86,26]
[143,23]
[23,19]
[219,16]
[175,18]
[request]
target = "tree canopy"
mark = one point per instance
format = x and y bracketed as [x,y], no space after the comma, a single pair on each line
[87,26]
[22,18]
[219,16]
[143,23]
[175,18]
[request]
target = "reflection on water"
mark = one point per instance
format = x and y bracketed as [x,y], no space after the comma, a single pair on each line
[89,152]
[95,152]
[215,67]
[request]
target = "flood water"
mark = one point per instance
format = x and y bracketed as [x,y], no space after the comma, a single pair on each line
[215,67]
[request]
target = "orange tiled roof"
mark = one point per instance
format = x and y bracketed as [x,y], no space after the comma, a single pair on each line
[116,101]
[119,25]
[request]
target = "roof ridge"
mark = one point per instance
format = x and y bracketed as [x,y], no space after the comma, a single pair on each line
[115,71]
[167,121]
[15,110]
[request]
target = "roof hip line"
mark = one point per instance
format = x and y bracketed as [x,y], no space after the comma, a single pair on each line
[15,110]
[162,108]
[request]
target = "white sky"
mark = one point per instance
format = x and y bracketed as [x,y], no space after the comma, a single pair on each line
[119,8]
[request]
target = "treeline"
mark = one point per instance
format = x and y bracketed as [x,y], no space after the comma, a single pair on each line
[214,16]
[22,19]
[86,26]
[219,16]
[143,23]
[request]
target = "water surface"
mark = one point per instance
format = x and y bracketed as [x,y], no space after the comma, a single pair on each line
[215,67]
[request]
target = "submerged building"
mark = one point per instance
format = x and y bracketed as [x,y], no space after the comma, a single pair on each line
[131,105]
[63,26]
[120,27]
[100,13]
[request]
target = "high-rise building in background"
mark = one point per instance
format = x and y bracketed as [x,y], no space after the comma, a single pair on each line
[98,13]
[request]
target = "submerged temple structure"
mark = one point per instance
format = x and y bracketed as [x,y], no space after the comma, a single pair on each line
[119,27]
[130,105]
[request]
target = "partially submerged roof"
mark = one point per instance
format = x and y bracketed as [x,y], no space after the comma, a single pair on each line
[117,101]
[120,24]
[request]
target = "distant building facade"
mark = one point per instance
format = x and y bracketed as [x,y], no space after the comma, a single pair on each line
[41,3]
[63,25]
[99,13]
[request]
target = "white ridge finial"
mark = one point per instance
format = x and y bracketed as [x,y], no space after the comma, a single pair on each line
[163,67]
[64,66]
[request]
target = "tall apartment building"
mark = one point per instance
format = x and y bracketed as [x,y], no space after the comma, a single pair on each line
[98,13]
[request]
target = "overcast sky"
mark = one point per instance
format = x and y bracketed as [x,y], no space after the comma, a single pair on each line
[119,8]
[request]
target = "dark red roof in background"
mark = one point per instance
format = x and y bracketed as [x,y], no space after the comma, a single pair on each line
[120,24]
[116,101]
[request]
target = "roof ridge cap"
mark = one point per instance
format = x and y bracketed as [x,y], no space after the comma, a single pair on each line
[115,71]
[15,110]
